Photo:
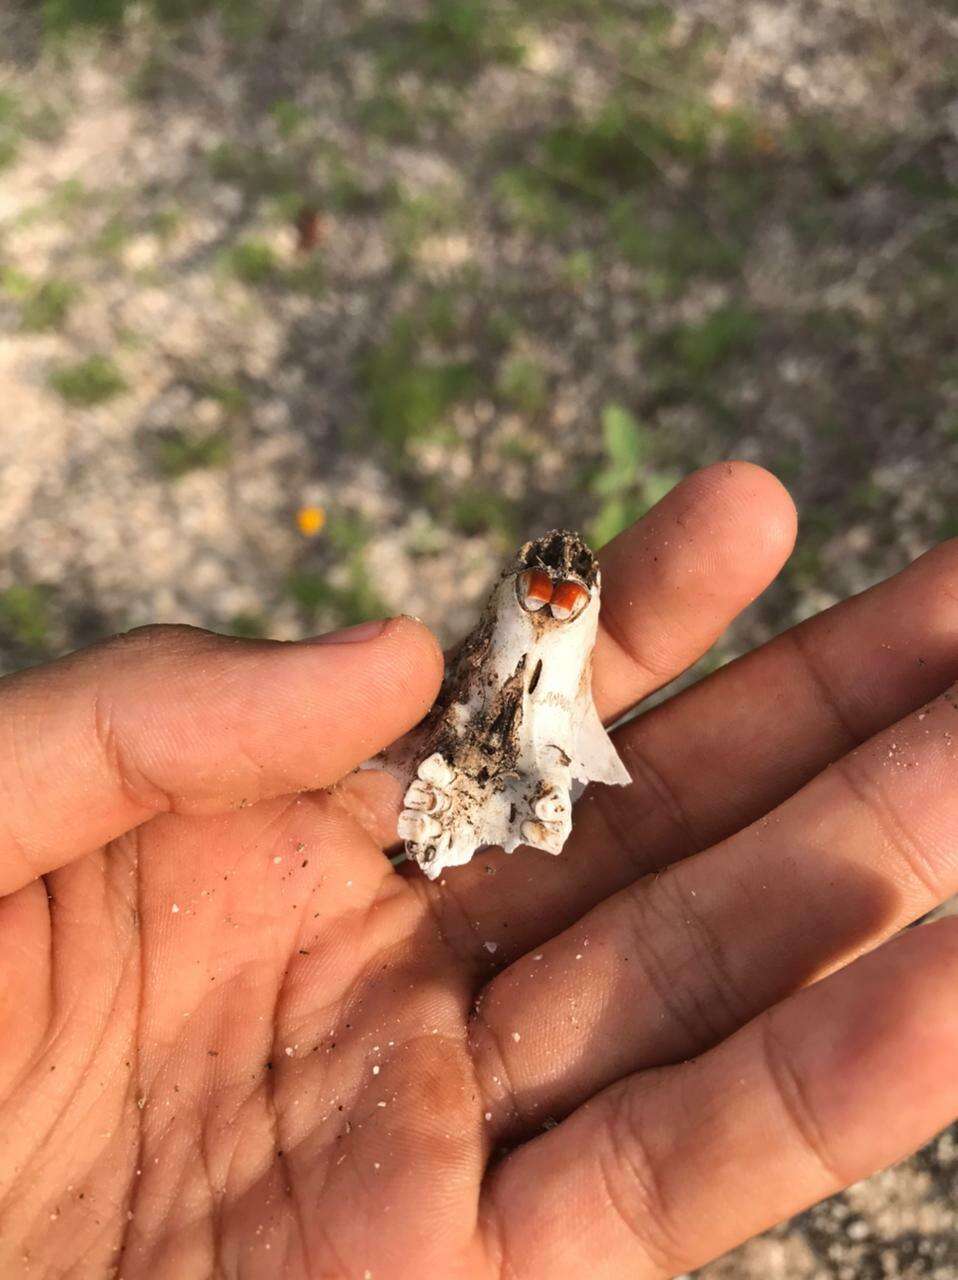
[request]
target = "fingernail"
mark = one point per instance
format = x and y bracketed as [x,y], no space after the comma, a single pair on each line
[350,635]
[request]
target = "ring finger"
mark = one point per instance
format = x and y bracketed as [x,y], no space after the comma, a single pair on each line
[697,951]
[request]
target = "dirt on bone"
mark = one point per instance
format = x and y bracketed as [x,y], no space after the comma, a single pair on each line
[563,554]
[494,761]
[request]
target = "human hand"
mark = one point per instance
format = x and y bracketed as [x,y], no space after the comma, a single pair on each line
[234,1041]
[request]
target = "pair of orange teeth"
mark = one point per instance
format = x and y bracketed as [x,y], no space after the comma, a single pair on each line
[565,599]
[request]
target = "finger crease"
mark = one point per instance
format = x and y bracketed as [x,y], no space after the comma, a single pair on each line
[659,978]
[794,1101]
[274,1120]
[642,1208]
[493,1236]
[822,686]
[724,989]
[495,1070]
[454,927]
[137,1084]
[133,784]
[663,791]
[907,848]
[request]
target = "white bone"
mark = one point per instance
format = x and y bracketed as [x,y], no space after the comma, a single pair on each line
[514,727]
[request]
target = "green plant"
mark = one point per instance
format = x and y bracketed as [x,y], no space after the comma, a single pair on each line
[523,383]
[345,188]
[289,117]
[113,235]
[257,264]
[88,382]
[408,395]
[625,482]
[61,16]
[452,40]
[578,268]
[179,451]
[339,605]
[700,348]
[230,395]
[599,158]
[70,196]
[352,596]
[430,212]
[252,261]
[249,626]
[439,314]
[25,615]
[476,510]
[254,170]
[164,223]
[15,284]
[529,201]
[305,277]
[29,119]
[45,307]
[672,250]
[9,129]
[346,532]
[389,116]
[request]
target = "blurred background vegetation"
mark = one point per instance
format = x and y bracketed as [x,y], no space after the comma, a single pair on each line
[311,309]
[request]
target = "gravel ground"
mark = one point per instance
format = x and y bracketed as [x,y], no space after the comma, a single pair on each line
[345,264]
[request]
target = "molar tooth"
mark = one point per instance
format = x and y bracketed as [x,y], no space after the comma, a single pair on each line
[417,826]
[424,796]
[440,801]
[551,806]
[542,835]
[436,770]
[419,796]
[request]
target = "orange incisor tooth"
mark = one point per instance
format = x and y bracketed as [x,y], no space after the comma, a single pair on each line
[535,588]
[568,599]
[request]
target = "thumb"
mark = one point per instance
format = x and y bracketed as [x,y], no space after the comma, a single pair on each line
[181,720]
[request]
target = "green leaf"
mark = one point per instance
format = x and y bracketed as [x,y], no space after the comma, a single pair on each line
[613,516]
[655,486]
[611,481]
[623,439]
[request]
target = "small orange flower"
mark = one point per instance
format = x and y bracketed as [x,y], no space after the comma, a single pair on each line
[310,521]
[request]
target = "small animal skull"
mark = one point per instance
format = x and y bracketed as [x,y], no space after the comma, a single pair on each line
[514,725]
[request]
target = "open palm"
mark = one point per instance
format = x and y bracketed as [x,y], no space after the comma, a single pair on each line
[235,1041]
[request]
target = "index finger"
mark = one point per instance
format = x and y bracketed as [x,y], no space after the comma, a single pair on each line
[674,581]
